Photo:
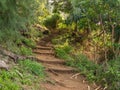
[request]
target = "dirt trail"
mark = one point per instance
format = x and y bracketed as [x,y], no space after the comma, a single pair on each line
[59,76]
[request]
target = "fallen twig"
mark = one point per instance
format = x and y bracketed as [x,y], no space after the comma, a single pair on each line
[75,75]
[98,88]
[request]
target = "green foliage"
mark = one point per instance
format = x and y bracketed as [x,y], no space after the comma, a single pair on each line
[31,73]
[25,50]
[7,82]
[15,17]
[26,73]
[62,6]
[62,51]
[29,43]
[32,67]
[43,10]
[62,25]
[9,36]
[15,14]
[87,67]
[61,39]
[88,13]
[98,22]
[108,77]
[52,21]
[34,33]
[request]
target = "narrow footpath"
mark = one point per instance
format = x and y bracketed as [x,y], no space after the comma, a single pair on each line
[59,76]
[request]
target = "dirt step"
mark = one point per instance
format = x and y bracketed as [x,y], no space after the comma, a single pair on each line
[59,68]
[46,44]
[46,52]
[43,47]
[50,62]
[49,59]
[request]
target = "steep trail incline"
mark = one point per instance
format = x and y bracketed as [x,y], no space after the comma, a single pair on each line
[59,76]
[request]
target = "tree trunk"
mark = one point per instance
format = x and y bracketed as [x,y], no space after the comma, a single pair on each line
[112,37]
[104,40]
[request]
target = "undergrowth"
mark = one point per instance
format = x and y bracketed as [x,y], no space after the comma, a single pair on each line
[20,42]
[29,43]
[25,50]
[106,75]
[32,67]
[27,75]
[63,50]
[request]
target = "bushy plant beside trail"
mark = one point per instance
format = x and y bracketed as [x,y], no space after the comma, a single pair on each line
[106,75]
[32,67]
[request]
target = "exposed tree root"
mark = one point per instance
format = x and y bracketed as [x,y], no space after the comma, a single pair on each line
[14,56]
[75,75]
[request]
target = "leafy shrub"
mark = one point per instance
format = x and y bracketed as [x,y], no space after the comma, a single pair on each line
[29,43]
[63,51]
[34,33]
[33,67]
[55,41]
[87,67]
[65,47]
[62,25]
[51,22]
[58,40]
[110,75]
[25,51]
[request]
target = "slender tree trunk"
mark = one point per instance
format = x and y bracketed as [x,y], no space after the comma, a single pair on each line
[89,25]
[112,37]
[104,40]
[95,52]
